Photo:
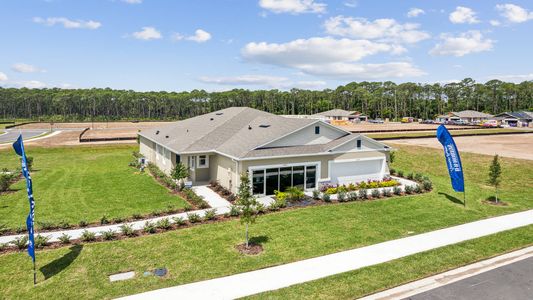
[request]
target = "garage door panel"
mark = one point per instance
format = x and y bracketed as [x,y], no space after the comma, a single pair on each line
[355,171]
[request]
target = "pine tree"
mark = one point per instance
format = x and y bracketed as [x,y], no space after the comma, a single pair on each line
[246,203]
[494,174]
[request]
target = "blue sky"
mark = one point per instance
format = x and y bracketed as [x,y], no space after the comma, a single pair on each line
[260,44]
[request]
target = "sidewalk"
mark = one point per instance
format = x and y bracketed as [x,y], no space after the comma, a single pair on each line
[213,199]
[433,282]
[277,277]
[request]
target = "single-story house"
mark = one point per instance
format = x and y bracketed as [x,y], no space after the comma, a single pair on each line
[515,118]
[469,116]
[342,115]
[277,152]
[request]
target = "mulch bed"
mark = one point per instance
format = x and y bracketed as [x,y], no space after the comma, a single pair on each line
[494,203]
[252,249]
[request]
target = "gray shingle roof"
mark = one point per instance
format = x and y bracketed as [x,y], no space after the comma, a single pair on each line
[336,113]
[226,131]
[471,114]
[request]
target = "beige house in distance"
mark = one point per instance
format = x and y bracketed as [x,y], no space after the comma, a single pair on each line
[277,152]
[341,115]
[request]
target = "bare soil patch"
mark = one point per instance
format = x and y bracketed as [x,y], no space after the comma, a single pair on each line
[252,249]
[396,126]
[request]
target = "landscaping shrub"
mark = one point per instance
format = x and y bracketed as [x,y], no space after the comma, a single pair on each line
[136,216]
[136,154]
[409,189]
[214,183]
[427,185]
[410,176]
[88,236]
[281,203]
[3,246]
[41,241]
[64,224]
[280,195]
[29,162]
[83,223]
[397,190]
[363,194]
[234,211]
[149,227]
[64,239]
[400,173]
[387,192]
[187,207]
[392,171]
[45,225]
[164,224]
[295,194]
[118,220]
[418,177]
[193,217]
[210,214]
[127,230]
[376,194]
[6,179]
[352,196]
[260,208]
[341,196]
[108,235]
[156,213]
[179,221]
[104,220]
[316,194]
[20,242]
[194,198]
[20,229]
[231,198]
[417,189]
[171,209]
[326,197]
[331,191]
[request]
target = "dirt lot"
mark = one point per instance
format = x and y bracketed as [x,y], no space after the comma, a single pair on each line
[515,146]
[395,126]
[97,125]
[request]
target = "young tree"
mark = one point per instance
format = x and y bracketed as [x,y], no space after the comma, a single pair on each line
[494,174]
[180,172]
[246,203]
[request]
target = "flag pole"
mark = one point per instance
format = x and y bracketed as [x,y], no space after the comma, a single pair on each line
[34,275]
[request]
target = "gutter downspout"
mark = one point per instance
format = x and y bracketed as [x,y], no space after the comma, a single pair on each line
[236,173]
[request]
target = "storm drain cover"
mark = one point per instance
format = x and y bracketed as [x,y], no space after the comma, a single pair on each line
[160,272]
[121,276]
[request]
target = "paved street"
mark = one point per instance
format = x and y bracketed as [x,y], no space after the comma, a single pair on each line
[11,135]
[513,281]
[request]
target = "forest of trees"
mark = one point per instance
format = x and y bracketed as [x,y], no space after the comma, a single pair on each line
[375,99]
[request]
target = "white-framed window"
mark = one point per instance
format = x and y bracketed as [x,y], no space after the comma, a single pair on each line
[192,162]
[203,161]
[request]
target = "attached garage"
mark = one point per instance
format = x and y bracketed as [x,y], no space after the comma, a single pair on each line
[355,170]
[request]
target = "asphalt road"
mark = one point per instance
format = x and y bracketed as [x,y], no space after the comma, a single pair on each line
[12,135]
[513,281]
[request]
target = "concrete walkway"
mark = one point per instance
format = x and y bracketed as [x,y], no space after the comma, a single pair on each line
[439,280]
[273,278]
[221,205]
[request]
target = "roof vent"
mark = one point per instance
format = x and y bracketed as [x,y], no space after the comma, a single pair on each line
[166,136]
[219,114]
[211,119]
[264,125]
[157,132]
[249,127]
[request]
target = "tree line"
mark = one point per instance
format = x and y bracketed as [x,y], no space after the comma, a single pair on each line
[374,99]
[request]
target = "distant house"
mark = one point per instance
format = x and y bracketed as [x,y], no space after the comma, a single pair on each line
[515,118]
[342,115]
[277,152]
[468,116]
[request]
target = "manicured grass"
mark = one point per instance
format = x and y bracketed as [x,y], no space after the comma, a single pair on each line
[369,280]
[480,131]
[207,251]
[78,183]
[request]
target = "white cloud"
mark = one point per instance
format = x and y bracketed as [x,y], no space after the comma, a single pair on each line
[200,36]
[147,33]
[494,22]
[381,29]
[465,43]
[326,56]
[514,13]
[31,84]
[415,12]
[350,3]
[26,68]
[67,23]
[513,78]
[3,77]
[463,15]
[263,80]
[293,6]
[133,1]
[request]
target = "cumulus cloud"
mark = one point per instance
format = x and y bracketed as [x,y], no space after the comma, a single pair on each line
[495,22]
[380,29]
[462,44]
[293,6]
[30,84]
[147,33]
[514,13]
[3,77]
[463,15]
[200,36]
[67,23]
[263,80]
[26,68]
[350,3]
[326,56]
[415,12]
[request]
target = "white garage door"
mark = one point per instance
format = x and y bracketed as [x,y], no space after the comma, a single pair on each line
[344,172]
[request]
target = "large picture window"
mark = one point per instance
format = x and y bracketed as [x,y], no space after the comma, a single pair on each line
[266,181]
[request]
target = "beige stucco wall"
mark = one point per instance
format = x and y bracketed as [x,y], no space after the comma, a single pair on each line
[147,148]
[224,171]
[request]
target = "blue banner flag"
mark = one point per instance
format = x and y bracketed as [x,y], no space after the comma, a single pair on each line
[453,160]
[19,148]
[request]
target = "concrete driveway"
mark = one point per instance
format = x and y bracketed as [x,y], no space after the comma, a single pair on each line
[11,135]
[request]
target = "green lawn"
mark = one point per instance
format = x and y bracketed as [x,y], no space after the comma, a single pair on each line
[480,131]
[207,251]
[78,183]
